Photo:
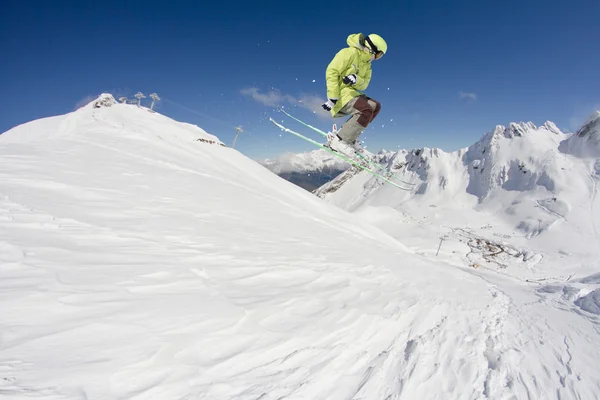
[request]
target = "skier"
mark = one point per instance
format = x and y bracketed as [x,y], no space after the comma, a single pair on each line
[347,75]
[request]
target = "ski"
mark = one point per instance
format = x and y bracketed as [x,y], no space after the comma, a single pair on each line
[361,156]
[340,155]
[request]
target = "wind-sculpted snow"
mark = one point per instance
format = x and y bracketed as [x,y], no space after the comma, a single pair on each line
[590,302]
[137,262]
[583,293]
[586,141]
[595,278]
[104,100]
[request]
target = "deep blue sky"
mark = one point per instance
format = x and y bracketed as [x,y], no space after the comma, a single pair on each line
[527,60]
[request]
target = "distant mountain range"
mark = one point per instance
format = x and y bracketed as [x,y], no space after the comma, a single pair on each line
[313,169]
[535,180]
[307,170]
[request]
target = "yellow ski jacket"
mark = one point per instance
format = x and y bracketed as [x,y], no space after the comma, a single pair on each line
[351,60]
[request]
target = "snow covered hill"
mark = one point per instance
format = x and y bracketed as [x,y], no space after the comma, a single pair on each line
[141,259]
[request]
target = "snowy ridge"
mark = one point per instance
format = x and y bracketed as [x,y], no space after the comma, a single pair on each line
[73,123]
[518,157]
[138,262]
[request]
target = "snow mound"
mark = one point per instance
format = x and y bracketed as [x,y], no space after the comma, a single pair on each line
[105,114]
[104,100]
[590,302]
[593,279]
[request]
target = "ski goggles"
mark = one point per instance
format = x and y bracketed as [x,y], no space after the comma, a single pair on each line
[373,49]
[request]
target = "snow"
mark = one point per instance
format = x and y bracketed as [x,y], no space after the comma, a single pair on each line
[586,141]
[590,302]
[139,262]
[516,180]
[316,160]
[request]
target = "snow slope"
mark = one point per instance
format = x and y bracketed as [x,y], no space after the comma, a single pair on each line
[139,262]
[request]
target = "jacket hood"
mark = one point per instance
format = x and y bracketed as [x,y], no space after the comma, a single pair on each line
[356,40]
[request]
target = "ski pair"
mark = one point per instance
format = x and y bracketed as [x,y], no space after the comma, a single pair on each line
[340,155]
[362,157]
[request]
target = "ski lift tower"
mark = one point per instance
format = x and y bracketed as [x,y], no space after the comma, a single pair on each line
[154,97]
[139,96]
[238,131]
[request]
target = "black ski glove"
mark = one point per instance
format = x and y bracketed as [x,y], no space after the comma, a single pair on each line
[349,79]
[329,104]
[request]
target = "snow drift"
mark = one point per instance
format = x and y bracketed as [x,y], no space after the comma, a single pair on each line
[140,258]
